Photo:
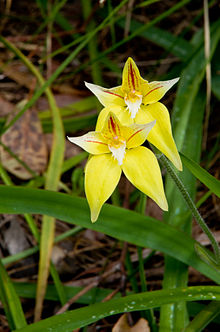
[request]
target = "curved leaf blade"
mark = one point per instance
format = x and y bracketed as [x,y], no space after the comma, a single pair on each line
[119,223]
[84,316]
[10,300]
[200,173]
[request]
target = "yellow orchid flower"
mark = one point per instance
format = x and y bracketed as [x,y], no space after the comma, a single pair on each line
[137,101]
[114,149]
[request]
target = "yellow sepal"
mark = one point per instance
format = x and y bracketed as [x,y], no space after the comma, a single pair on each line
[137,134]
[154,91]
[113,96]
[102,175]
[142,170]
[161,134]
[92,142]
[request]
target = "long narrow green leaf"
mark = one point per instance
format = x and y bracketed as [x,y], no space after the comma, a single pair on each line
[72,124]
[81,106]
[215,73]
[117,222]
[191,79]
[200,173]
[51,181]
[196,307]
[84,316]
[174,44]
[204,317]
[28,290]
[4,303]
[11,301]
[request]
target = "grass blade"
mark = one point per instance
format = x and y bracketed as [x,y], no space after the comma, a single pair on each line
[204,317]
[84,316]
[74,210]
[200,173]
[11,301]
[51,181]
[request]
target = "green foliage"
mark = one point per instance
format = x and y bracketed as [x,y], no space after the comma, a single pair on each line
[74,210]
[200,173]
[10,301]
[84,316]
[172,237]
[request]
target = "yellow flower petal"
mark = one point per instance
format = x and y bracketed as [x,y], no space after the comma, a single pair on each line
[121,113]
[142,170]
[107,96]
[93,142]
[102,175]
[131,78]
[138,134]
[161,134]
[154,91]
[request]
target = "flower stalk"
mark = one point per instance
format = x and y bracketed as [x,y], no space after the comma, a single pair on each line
[191,206]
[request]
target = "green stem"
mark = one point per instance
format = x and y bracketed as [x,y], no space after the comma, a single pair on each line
[148,314]
[204,317]
[192,206]
[51,183]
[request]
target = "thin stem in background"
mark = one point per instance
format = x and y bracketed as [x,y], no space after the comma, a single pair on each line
[148,314]
[208,71]
[92,44]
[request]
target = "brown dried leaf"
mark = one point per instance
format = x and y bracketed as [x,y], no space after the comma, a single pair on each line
[18,73]
[14,237]
[25,139]
[5,107]
[123,326]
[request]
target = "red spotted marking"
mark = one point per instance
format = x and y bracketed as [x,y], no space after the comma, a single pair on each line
[153,90]
[135,134]
[112,93]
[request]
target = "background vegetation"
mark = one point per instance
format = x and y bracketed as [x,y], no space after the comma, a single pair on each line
[136,257]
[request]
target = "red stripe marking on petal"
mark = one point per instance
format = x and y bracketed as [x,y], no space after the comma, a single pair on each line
[132,73]
[115,94]
[135,134]
[118,129]
[90,141]
[153,90]
[112,125]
